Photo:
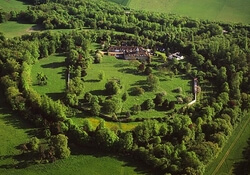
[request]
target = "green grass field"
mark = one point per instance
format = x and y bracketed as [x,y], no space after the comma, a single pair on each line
[232,152]
[54,68]
[121,69]
[12,29]
[14,131]
[215,10]
[12,5]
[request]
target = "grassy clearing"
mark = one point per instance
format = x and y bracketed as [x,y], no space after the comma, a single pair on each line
[216,10]
[54,68]
[121,69]
[13,29]
[13,132]
[12,5]
[232,152]
[112,125]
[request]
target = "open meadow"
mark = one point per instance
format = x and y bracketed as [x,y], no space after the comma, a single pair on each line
[127,73]
[214,10]
[12,5]
[54,68]
[12,29]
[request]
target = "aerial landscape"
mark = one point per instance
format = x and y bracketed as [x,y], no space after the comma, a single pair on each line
[115,87]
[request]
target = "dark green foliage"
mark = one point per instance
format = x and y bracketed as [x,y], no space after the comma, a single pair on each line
[95,109]
[125,96]
[148,70]
[112,87]
[148,104]
[136,109]
[112,105]
[159,98]
[137,91]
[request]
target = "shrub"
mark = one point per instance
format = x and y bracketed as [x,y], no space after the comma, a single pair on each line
[137,91]
[158,100]
[125,96]
[148,104]
[135,109]
[148,70]
[178,90]
[112,87]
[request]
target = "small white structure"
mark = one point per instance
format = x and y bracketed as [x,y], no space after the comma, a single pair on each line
[176,55]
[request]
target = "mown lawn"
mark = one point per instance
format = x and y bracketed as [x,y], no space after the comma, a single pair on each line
[215,10]
[54,68]
[13,5]
[12,29]
[123,70]
[235,153]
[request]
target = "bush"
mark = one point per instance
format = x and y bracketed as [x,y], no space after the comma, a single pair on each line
[95,109]
[178,90]
[148,104]
[87,97]
[125,96]
[165,104]
[135,109]
[137,91]
[171,104]
[148,70]
[112,87]
[158,100]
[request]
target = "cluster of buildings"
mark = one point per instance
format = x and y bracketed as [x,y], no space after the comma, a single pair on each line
[129,52]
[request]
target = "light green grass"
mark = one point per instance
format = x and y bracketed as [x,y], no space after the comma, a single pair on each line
[120,69]
[235,154]
[12,29]
[215,10]
[12,5]
[54,68]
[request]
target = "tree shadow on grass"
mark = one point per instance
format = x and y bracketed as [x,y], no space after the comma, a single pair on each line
[63,74]
[92,81]
[120,65]
[56,95]
[98,92]
[128,71]
[139,166]
[140,83]
[54,65]
[24,160]
[243,167]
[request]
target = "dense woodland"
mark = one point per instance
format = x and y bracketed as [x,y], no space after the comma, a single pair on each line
[183,143]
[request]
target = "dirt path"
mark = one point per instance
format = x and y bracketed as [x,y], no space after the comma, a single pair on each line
[231,147]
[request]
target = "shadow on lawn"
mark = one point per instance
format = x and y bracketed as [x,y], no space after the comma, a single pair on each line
[128,71]
[24,160]
[128,161]
[98,92]
[56,95]
[243,167]
[54,65]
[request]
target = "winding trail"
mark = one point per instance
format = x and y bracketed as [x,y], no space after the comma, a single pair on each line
[231,147]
